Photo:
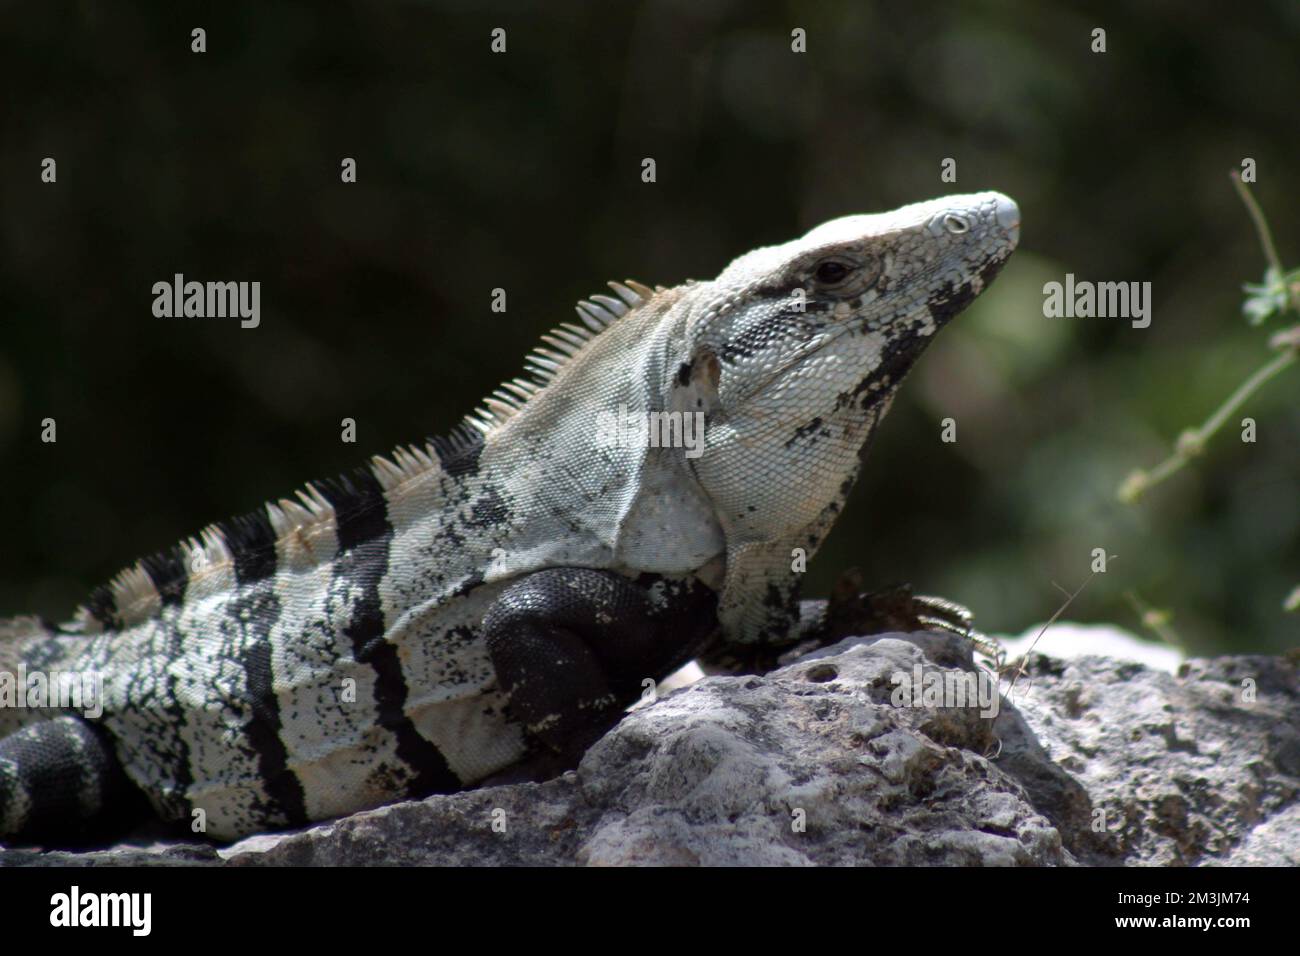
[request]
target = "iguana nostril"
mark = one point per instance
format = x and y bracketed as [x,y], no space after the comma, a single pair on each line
[1009,217]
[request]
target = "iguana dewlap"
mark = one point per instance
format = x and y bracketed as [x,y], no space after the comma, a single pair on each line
[502,594]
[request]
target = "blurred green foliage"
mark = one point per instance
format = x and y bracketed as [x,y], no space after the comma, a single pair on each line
[522,171]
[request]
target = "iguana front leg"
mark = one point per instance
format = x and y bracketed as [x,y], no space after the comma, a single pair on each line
[759,609]
[573,646]
[779,625]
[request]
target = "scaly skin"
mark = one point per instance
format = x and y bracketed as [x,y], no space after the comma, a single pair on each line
[499,596]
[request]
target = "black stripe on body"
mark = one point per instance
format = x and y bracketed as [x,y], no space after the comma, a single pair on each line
[364,538]
[103,608]
[251,540]
[168,570]
[282,785]
[254,612]
[458,453]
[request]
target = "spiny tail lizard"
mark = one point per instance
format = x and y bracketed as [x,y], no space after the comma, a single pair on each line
[499,595]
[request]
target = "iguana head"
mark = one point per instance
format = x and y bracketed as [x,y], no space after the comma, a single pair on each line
[798,349]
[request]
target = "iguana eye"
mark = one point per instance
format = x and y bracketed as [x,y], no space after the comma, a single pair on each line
[831,272]
[955,224]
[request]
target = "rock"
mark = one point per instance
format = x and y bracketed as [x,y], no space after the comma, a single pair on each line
[1198,767]
[724,772]
[814,764]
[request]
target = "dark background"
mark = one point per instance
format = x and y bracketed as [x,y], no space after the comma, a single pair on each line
[523,171]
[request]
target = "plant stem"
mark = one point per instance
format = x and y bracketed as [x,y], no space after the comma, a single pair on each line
[1191,441]
[1261,224]
[1244,391]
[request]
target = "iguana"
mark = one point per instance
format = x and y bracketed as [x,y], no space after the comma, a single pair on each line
[499,596]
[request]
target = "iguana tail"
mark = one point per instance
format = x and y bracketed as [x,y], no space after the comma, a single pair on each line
[60,779]
[58,772]
[56,777]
